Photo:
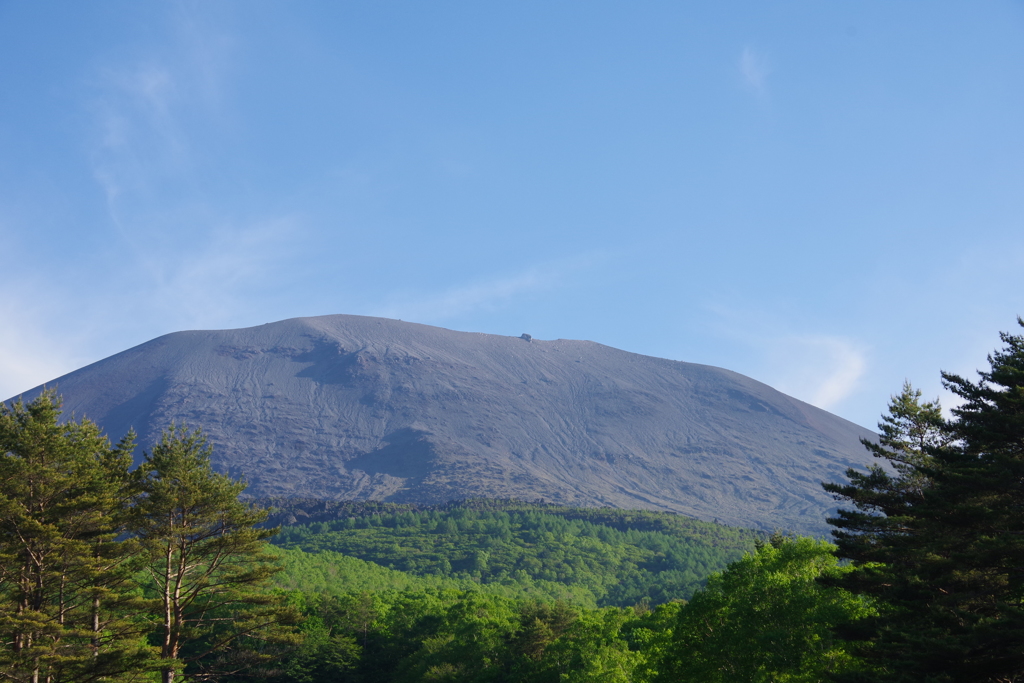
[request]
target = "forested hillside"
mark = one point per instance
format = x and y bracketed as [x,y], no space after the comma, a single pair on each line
[603,557]
[766,618]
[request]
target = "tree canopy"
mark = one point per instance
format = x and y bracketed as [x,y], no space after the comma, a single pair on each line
[766,619]
[66,591]
[112,574]
[938,539]
[209,566]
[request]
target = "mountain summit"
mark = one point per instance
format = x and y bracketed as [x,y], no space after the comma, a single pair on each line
[351,407]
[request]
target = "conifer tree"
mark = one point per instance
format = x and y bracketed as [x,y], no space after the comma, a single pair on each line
[209,565]
[67,598]
[973,527]
[944,561]
[884,497]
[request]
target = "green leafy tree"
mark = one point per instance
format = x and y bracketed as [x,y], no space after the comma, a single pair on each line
[209,567]
[466,644]
[880,532]
[650,633]
[765,619]
[594,557]
[540,623]
[908,434]
[323,657]
[67,598]
[592,650]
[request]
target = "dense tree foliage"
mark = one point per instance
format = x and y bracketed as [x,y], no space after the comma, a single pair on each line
[101,566]
[934,592]
[938,541]
[66,592]
[766,619]
[884,497]
[450,635]
[113,574]
[335,574]
[209,568]
[605,557]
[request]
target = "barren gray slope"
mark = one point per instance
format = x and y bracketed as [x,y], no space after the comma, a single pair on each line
[369,408]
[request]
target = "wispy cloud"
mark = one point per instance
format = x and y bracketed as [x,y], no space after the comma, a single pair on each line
[484,295]
[228,277]
[138,142]
[220,278]
[145,109]
[488,294]
[754,69]
[822,370]
[193,258]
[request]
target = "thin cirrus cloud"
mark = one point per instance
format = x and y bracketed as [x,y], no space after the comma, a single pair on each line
[214,282]
[137,138]
[184,257]
[194,258]
[489,294]
[141,143]
[209,285]
[754,70]
[823,370]
[455,301]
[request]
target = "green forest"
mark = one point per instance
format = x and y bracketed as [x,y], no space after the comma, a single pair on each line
[164,572]
[593,557]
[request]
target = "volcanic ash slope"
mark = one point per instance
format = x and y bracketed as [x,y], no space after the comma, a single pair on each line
[350,407]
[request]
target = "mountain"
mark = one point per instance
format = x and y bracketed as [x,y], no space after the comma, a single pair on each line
[351,407]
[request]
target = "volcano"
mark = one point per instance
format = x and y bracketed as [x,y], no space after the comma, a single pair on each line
[351,407]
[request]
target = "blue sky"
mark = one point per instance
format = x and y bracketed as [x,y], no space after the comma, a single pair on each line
[827,197]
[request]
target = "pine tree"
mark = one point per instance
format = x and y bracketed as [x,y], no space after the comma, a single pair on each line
[884,497]
[67,597]
[944,559]
[209,566]
[973,525]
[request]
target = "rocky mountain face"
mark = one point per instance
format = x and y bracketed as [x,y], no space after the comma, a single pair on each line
[350,407]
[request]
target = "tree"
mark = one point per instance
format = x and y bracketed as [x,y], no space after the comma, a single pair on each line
[884,497]
[944,561]
[209,566]
[972,527]
[765,619]
[540,624]
[465,644]
[908,435]
[592,650]
[330,650]
[67,597]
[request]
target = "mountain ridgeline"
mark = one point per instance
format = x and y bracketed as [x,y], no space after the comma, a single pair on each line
[357,408]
